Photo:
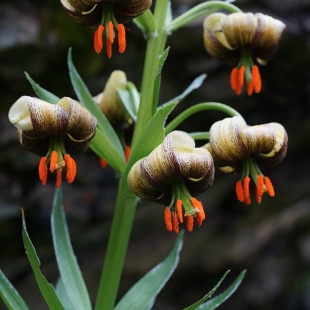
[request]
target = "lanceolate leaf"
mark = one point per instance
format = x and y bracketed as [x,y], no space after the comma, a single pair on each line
[112,142]
[68,267]
[142,295]
[47,289]
[9,295]
[218,300]
[62,295]
[41,92]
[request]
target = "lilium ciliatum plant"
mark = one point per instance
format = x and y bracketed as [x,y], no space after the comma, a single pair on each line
[53,131]
[173,174]
[233,142]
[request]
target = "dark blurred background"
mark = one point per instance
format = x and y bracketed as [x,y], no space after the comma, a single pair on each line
[271,240]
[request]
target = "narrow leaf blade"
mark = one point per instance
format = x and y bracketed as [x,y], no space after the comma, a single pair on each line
[41,92]
[9,295]
[47,289]
[218,300]
[112,141]
[142,295]
[62,295]
[66,260]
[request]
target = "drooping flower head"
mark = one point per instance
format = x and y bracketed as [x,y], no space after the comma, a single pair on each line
[247,37]
[53,131]
[233,145]
[173,174]
[106,15]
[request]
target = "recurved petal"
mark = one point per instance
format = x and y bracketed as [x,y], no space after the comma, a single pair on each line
[226,141]
[279,150]
[19,114]
[259,138]
[239,29]
[267,36]
[214,39]
[81,123]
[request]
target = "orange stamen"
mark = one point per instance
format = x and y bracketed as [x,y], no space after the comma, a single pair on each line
[239,191]
[178,208]
[199,210]
[121,38]
[269,186]
[190,223]
[168,219]
[175,222]
[109,48]
[110,32]
[103,163]
[98,43]
[241,76]
[234,79]
[257,81]
[43,170]
[250,88]
[71,168]
[58,177]
[54,161]
[259,188]
[246,190]
[127,153]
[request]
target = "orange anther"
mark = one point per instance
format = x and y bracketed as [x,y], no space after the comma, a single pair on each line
[98,43]
[54,161]
[241,76]
[43,170]
[246,190]
[257,82]
[71,168]
[175,222]
[58,177]
[190,223]
[109,48]
[239,191]
[103,163]
[269,186]
[110,32]
[127,153]
[168,219]
[121,38]
[234,79]
[250,88]
[259,188]
[178,207]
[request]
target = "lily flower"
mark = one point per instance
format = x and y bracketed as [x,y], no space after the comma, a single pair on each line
[106,15]
[247,37]
[233,142]
[53,131]
[173,174]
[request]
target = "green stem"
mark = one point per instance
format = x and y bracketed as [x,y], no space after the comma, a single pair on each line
[198,11]
[155,48]
[117,246]
[200,107]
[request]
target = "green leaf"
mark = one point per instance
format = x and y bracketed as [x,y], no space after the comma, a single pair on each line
[98,145]
[47,289]
[152,136]
[62,295]
[130,98]
[142,295]
[68,267]
[41,92]
[199,302]
[112,143]
[218,300]
[194,85]
[9,295]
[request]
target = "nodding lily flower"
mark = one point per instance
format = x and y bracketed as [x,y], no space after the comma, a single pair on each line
[53,131]
[244,36]
[232,141]
[106,15]
[173,174]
